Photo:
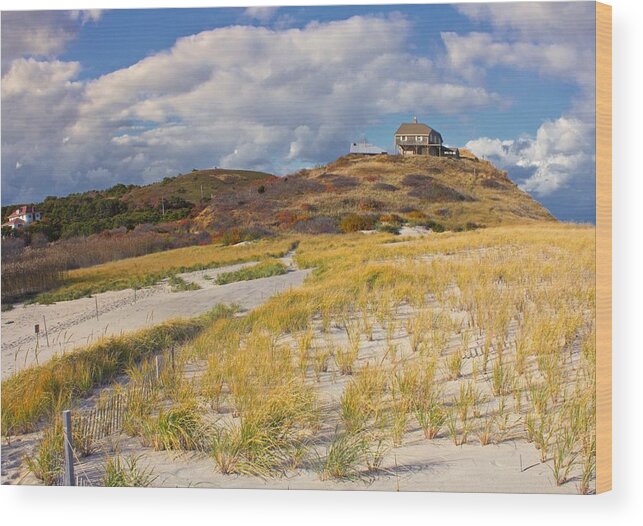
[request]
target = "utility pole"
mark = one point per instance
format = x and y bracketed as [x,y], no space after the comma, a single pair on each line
[163,207]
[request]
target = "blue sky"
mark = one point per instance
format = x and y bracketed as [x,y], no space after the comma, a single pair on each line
[99,97]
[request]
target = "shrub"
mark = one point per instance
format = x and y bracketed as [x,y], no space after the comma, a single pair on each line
[391,218]
[427,188]
[236,235]
[343,181]
[416,216]
[433,225]
[389,229]
[369,205]
[317,225]
[356,222]
[385,187]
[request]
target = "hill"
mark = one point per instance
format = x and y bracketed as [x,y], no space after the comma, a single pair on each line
[172,199]
[197,186]
[360,192]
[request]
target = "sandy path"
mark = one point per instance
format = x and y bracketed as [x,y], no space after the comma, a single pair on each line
[72,324]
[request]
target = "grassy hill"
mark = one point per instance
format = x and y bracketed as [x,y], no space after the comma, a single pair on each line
[356,192]
[172,199]
[194,186]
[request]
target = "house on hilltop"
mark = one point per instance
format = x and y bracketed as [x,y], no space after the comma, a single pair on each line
[364,148]
[22,216]
[416,138]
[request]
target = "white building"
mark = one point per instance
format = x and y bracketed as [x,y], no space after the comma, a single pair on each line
[23,216]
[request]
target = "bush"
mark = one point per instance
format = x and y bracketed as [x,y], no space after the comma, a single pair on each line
[391,218]
[436,227]
[317,225]
[416,216]
[369,205]
[356,222]
[390,229]
[238,235]
[385,187]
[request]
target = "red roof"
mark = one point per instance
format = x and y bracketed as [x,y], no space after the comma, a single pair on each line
[15,221]
[27,209]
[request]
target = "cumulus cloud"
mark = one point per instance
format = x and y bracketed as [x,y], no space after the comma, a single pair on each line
[242,96]
[261,13]
[554,40]
[561,152]
[551,21]
[472,54]
[40,33]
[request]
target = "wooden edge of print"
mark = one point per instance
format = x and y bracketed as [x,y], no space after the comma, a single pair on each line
[603,247]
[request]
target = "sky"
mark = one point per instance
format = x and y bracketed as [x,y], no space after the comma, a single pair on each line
[99,97]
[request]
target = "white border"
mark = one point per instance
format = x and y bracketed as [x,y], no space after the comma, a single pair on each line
[21,506]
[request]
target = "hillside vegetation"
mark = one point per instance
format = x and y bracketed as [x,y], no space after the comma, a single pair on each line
[172,199]
[442,193]
[95,227]
[229,206]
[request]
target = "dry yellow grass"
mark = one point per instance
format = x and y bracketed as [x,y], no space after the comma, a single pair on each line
[483,337]
[147,270]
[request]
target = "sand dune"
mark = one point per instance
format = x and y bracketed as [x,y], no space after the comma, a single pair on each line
[73,324]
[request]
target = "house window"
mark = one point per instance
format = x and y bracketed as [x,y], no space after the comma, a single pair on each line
[419,138]
[404,137]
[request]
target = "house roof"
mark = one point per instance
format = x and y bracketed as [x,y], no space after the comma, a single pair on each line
[26,209]
[414,128]
[14,222]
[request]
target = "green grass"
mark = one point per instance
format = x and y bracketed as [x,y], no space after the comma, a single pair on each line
[265,269]
[344,456]
[37,392]
[178,428]
[178,284]
[144,271]
[272,434]
[126,474]
[47,461]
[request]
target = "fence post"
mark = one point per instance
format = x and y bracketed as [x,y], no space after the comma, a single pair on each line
[157,362]
[172,356]
[70,479]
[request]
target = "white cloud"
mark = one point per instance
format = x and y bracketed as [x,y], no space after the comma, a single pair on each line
[561,152]
[40,33]
[473,53]
[242,96]
[551,21]
[555,40]
[261,13]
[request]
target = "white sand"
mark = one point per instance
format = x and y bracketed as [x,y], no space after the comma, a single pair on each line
[72,324]
[418,464]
